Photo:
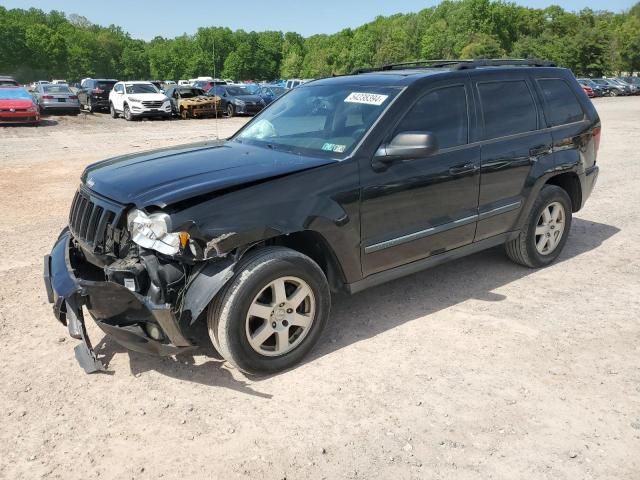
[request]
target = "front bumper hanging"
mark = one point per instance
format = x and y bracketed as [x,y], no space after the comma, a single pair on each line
[118,311]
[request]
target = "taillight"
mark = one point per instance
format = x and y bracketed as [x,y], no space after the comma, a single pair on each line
[98,90]
[73,97]
[596,138]
[47,97]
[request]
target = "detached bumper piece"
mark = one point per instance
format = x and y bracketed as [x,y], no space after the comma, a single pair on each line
[124,315]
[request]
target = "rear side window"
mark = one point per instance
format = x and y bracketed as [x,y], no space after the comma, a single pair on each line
[442,112]
[507,108]
[561,104]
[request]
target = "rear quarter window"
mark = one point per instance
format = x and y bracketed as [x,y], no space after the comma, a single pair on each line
[508,108]
[561,104]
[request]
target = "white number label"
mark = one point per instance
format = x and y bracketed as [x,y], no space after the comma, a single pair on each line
[366,98]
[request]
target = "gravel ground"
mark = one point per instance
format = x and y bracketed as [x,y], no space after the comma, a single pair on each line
[475,369]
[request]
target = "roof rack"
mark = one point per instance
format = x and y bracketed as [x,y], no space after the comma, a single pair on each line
[461,64]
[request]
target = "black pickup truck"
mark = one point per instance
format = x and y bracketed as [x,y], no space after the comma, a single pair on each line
[339,185]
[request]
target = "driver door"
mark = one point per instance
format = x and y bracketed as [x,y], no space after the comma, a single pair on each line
[118,97]
[418,207]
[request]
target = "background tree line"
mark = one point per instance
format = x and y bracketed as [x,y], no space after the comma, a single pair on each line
[38,45]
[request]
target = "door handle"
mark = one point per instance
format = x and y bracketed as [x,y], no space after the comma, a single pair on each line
[462,169]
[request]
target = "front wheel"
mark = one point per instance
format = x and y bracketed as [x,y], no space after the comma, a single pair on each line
[230,111]
[546,231]
[112,111]
[271,314]
[127,113]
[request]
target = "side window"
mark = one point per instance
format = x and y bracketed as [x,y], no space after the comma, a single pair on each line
[84,84]
[442,112]
[561,104]
[507,108]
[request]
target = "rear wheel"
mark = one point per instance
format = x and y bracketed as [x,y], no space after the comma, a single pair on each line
[270,315]
[545,233]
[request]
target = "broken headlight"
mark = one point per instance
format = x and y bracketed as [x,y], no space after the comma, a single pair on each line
[152,232]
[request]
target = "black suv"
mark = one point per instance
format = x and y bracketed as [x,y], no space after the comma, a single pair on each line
[339,185]
[93,93]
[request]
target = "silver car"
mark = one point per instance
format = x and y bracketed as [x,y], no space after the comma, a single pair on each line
[57,98]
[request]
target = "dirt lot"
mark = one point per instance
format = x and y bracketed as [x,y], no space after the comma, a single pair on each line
[476,369]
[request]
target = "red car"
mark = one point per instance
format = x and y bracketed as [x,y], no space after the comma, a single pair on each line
[18,106]
[588,90]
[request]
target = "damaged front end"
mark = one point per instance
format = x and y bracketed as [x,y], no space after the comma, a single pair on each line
[144,297]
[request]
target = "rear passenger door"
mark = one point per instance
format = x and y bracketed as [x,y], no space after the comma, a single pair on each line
[514,138]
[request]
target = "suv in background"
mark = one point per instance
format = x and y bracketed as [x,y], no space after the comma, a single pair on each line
[93,93]
[339,185]
[138,99]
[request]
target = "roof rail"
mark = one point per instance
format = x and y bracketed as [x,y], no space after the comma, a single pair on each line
[461,64]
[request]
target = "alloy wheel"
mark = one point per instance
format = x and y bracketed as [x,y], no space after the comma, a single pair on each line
[280,316]
[550,228]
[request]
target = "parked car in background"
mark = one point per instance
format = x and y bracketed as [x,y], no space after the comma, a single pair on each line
[6,80]
[614,89]
[57,98]
[192,102]
[94,93]
[632,80]
[269,93]
[632,89]
[168,84]
[251,88]
[598,90]
[17,105]
[184,83]
[588,90]
[236,100]
[139,99]
[207,85]
[293,83]
[59,82]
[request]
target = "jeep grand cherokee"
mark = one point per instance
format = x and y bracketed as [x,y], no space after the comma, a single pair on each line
[339,185]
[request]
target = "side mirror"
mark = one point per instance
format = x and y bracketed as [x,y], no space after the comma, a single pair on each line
[407,146]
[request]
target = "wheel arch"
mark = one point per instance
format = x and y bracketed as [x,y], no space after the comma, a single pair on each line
[570,183]
[315,246]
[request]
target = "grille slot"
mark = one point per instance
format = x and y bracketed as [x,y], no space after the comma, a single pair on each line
[90,218]
[152,103]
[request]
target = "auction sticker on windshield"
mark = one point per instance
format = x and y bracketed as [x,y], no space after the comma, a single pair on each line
[366,98]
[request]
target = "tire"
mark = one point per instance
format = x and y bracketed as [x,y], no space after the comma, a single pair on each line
[112,111]
[89,105]
[127,113]
[235,333]
[613,93]
[529,247]
[230,111]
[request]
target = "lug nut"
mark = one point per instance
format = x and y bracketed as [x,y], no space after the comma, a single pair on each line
[285,323]
[282,304]
[273,324]
[289,310]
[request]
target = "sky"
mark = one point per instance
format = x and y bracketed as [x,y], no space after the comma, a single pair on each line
[170,18]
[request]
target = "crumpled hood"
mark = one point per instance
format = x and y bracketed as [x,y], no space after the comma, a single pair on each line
[170,175]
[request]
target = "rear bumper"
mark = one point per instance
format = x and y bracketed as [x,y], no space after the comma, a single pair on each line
[19,117]
[588,181]
[119,312]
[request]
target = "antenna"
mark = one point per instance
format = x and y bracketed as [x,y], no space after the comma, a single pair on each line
[216,99]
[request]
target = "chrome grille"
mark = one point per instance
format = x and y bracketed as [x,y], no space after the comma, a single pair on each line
[92,218]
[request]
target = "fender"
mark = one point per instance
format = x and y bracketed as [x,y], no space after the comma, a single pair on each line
[205,285]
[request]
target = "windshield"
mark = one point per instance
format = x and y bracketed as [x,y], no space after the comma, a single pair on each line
[235,91]
[278,90]
[55,89]
[324,119]
[191,92]
[140,88]
[105,85]
[250,89]
[14,94]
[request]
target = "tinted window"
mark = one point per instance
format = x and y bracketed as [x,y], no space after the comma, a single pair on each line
[442,112]
[561,104]
[507,108]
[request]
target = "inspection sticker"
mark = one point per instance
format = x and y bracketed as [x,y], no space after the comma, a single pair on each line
[332,147]
[366,98]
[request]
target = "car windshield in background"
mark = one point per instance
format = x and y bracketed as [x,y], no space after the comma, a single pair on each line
[55,89]
[140,88]
[191,92]
[235,91]
[278,90]
[14,94]
[325,119]
[250,89]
